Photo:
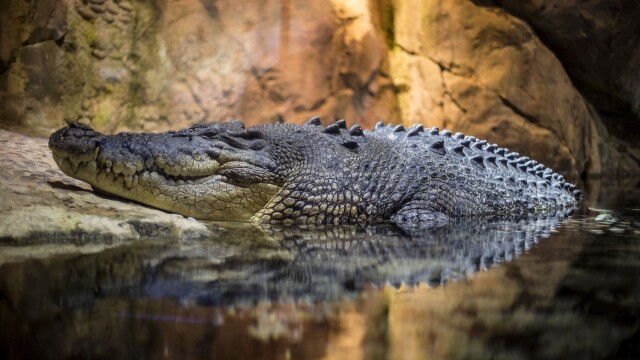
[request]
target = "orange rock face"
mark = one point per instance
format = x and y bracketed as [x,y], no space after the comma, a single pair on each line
[150,66]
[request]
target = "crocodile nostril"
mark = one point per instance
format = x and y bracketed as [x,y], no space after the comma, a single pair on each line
[79,125]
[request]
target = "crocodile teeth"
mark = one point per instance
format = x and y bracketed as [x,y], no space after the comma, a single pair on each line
[92,166]
[74,165]
[117,168]
[129,169]
[128,181]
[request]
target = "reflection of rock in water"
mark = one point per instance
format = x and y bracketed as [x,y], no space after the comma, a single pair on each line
[244,265]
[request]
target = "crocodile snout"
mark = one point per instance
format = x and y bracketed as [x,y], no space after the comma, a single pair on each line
[76,140]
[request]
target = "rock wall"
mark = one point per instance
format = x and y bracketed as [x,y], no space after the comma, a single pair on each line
[597,42]
[469,66]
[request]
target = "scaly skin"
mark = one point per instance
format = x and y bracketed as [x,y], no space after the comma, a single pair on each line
[312,174]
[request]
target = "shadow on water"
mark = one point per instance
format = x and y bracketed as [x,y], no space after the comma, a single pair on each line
[313,292]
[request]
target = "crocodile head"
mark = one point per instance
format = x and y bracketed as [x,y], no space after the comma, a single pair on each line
[220,171]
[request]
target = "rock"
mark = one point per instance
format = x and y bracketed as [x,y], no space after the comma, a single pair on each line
[502,70]
[112,8]
[499,82]
[605,34]
[98,9]
[50,224]
[125,5]
[99,54]
[605,217]
[108,18]
[86,13]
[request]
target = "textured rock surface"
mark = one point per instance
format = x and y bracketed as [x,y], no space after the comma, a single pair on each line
[605,34]
[470,66]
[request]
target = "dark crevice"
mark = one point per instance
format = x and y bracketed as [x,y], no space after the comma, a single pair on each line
[60,41]
[212,9]
[585,171]
[533,120]
[454,101]
[518,112]
[64,186]
[5,67]
[410,52]
[387,20]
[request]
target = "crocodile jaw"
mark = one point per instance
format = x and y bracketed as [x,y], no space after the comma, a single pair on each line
[188,182]
[210,197]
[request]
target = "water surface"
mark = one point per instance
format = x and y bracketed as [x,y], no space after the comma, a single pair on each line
[539,287]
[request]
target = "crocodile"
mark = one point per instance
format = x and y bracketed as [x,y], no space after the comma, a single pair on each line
[288,173]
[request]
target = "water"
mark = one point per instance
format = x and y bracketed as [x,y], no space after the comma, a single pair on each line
[546,287]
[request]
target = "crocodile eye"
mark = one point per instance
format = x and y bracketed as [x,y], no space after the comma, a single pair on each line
[243,142]
[209,133]
[247,134]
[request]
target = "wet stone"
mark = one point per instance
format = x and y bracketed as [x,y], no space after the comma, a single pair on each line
[98,9]
[86,13]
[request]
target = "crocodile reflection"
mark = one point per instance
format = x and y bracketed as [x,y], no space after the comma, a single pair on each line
[245,264]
